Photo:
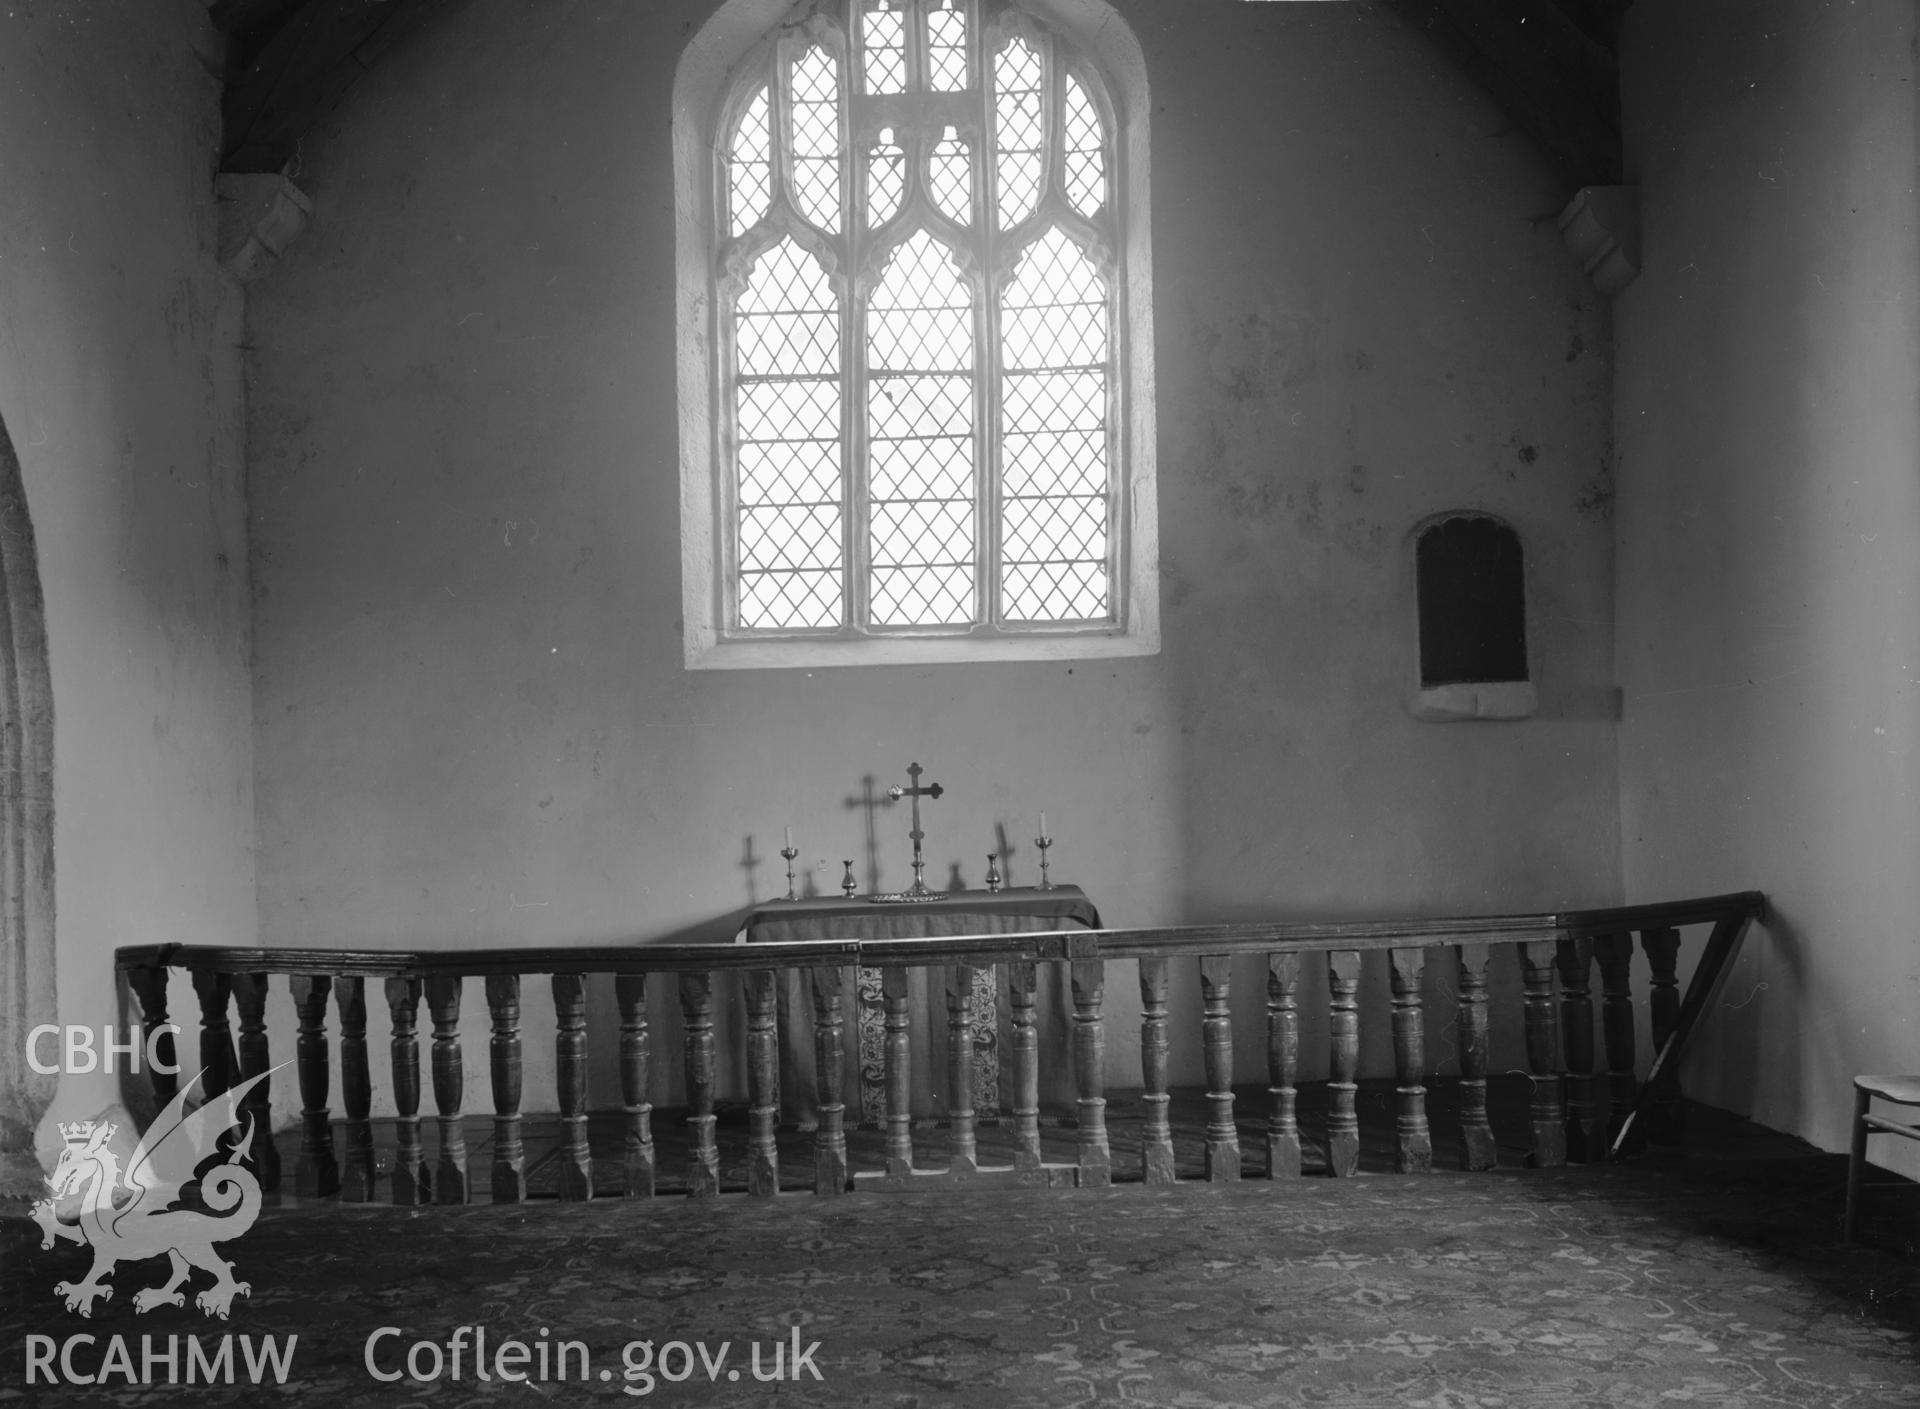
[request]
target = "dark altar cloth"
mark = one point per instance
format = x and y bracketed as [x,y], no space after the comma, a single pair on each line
[1024,910]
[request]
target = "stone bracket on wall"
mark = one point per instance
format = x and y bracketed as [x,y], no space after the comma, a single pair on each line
[1488,700]
[1601,226]
[260,215]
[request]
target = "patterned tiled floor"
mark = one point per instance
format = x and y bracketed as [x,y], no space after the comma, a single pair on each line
[1706,1276]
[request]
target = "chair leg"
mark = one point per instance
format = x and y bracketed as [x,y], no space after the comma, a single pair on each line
[1856,1163]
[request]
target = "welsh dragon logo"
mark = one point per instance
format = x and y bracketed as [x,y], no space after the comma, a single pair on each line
[128,1215]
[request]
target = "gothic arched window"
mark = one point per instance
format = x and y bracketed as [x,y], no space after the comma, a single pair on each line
[921,373]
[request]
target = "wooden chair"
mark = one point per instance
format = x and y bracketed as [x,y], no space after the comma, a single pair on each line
[1901,1091]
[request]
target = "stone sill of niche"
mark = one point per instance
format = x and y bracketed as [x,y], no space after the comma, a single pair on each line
[1476,701]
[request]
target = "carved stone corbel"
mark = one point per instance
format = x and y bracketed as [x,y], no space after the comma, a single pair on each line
[261,214]
[1601,226]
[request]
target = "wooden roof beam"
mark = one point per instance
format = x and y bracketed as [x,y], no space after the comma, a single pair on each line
[301,71]
[1554,81]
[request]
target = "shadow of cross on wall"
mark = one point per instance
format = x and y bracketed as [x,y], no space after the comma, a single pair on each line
[1005,854]
[868,801]
[750,863]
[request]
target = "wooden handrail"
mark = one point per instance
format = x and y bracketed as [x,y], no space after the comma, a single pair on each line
[1573,1105]
[639,957]
[1736,905]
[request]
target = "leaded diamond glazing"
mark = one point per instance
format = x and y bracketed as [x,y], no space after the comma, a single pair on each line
[1086,151]
[1043,463]
[790,599]
[788,438]
[1054,313]
[951,178]
[1064,400]
[1056,592]
[947,48]
[1019,130]
[816,138]
[921,557]
[787,323]
[920,427]
[884,48]
[750,168]
[886,180]
[790,410]
[1053,497]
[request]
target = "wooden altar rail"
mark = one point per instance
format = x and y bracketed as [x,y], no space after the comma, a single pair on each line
[1577,1111]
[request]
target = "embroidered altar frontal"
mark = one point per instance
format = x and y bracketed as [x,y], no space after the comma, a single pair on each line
[1020,911]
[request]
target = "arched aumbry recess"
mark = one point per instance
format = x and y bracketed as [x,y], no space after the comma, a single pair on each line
[1473,601]
[26,830]
[1470,578]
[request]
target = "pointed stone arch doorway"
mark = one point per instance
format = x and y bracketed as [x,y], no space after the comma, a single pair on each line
[26,830]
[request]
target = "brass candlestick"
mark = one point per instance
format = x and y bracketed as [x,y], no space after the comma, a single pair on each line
[790,852]
[847,883]
[1043,843]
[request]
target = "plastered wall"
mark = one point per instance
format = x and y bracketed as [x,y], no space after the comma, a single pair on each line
[472,720]
[1769,579]
[120,386]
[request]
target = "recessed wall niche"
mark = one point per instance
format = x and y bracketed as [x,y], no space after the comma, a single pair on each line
[1471,591]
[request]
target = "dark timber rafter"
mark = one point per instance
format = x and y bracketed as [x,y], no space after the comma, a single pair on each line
[1551,65]
[288,63]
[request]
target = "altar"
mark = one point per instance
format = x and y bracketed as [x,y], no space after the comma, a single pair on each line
[1018,910]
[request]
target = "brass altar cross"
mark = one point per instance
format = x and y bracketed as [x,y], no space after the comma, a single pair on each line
[916,792]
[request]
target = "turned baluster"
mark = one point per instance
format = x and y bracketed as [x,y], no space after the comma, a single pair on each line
[216,1044]
[1615,954]
[1548,1107]
[356,1091]
[1663,1123]
[894,990]
[1283,1066]
[1477,1147]
[250,1000]
[636,1056]
[829,1065]
[1586,1119]
[1223,1137]
[316,1174]
[411,1182]
[763,1056]
[149,985]
[703,1153]
[1022,978]
[1089,1057]
[1413,1141]
[1156,1137]
[1343,1083]
[570,1080]
[449,1088]
[962,1154]
[505,1065]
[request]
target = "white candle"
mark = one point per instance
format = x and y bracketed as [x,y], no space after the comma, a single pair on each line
[1043,823]
[789,839]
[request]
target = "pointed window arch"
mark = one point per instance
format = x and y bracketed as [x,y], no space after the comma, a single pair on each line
[927,428]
